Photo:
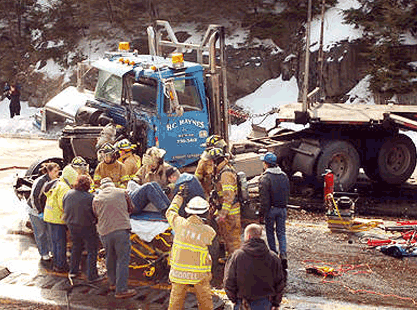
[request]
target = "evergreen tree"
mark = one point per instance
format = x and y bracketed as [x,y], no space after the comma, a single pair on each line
[385,23]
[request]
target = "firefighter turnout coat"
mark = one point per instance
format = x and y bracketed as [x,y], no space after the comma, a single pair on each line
[225,182]
[132,163]
[115,171]
[190,259]
[203,173]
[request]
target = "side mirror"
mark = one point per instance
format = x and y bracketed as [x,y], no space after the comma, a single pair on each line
[174,105]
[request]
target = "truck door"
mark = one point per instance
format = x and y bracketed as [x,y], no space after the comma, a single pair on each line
[183,136]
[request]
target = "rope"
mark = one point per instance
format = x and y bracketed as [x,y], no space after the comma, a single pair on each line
[327,271]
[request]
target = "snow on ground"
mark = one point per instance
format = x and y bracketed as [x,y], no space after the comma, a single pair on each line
[360,94]
[335,30]
[22,125]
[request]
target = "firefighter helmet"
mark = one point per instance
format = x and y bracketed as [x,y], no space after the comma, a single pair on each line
[197,205]
[78,161]
[215,141]
[124,144]
[107,148]
[215,153]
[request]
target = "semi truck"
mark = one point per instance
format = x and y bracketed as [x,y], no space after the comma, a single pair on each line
[162,100]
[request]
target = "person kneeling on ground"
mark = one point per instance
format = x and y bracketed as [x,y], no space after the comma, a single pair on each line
[81,222]
[112,207]
[253,276]
[190,259]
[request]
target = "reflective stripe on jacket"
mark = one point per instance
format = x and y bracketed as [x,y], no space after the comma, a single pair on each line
[132,163]
[190,259]
[226,187]
[115,171]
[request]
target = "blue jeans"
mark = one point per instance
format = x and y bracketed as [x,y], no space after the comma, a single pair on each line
[260,304]
[40,231]
[58,235]
[81,235]
[276,219]
[149,193]
[117,246]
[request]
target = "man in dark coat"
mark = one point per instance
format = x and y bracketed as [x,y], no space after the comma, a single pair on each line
[253,277]
[14,96]
[274,191]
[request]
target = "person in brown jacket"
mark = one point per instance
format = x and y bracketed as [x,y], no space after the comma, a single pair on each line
[111,168]
[153,168]
[253,277]
[204,169]
[224,197]
[128,158]
[112,207]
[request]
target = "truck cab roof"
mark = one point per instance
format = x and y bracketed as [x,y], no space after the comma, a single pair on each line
[143,65]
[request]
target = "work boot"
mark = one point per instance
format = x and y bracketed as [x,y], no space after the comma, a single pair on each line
[126,294]
[284,263]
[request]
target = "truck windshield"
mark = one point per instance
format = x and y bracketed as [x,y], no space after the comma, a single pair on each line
[188,95]
[109,87]
[144,94]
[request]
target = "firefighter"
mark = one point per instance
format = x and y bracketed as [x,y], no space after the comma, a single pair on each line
[224,197]
[190,259]
[153,168]
[204,168]
[127,157]
[110,167]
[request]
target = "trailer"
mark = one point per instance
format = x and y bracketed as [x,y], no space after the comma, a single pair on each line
[344,138]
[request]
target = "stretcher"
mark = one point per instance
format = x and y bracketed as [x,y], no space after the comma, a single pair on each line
[151,239]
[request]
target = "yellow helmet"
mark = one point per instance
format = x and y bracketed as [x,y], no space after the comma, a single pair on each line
[124,144]
[107,148]
[215,153]
[215,141]
[78,161]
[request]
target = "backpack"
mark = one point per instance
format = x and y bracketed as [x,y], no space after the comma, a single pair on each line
[242,185]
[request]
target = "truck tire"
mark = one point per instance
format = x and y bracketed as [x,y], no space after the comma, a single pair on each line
[396,160]
[343,159]
[33,169]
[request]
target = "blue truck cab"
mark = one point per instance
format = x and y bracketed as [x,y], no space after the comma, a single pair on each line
[138,90]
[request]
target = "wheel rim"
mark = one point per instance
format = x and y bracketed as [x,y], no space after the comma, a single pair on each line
[398,159]
[339,165]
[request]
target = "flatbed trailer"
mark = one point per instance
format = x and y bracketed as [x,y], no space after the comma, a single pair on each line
[344,138]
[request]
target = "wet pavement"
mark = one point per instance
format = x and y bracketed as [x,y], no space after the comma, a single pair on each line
[29,282]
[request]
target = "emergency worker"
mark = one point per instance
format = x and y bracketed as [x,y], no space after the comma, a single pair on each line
[111,168]
[176,179]
[204,168]
[190,258]
[153,168]
[224,197]
[127,157]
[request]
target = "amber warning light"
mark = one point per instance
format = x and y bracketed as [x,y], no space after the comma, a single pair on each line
[178,60]
[124,46]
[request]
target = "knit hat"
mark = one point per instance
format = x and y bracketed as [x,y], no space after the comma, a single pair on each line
[106,182]
[197,205]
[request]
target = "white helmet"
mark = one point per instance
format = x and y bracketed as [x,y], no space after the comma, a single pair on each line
[197,205]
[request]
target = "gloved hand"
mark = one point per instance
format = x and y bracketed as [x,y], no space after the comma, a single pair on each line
[183,190]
